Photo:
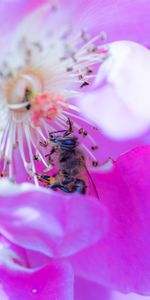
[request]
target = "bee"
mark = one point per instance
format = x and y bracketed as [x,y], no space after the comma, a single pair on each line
[71,163]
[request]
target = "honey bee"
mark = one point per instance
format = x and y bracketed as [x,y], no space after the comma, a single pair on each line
[71,163]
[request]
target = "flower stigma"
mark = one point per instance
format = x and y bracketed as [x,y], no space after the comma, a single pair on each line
[38,80]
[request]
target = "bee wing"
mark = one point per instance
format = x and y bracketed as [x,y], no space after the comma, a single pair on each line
[90,179]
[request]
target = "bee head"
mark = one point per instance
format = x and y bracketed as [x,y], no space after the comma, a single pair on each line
[56,139]
[65,143]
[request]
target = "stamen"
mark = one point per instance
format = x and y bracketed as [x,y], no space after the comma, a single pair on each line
[28,139]
[38,156]
[11,172]
[77,117]
[4,138]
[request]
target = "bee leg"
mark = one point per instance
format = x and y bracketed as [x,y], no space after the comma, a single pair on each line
[45,177]
[55,185]
[80,186]
[65,189]
[61,187]
[53,150]
[48,180]
[70,129]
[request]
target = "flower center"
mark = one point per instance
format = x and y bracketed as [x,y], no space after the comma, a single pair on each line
[35,90]
[22,88]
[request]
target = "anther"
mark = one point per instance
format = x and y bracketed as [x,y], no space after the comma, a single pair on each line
[36,157]
[4,173]
[44,144]
[84,35]
[80,76]
[73,58]
[69,69]
[85,133]
[94,147]
[92,49]
[85,83]
[95,163]
[95,128]
[80,131]
[103,36]
[89,71]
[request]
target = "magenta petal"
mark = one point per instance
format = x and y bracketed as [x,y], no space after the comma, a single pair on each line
[84,289]
[122,259]
[49,222]
[130,296]
[54,281]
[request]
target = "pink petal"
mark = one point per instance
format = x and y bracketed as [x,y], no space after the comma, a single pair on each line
[120,105]
[105,108]
[120,20]
[54,281]
[122,259]
[11,12]
[128,70]
[49,222]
